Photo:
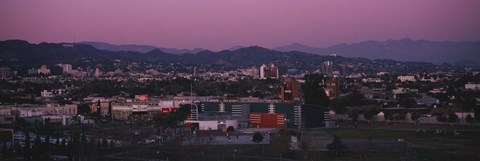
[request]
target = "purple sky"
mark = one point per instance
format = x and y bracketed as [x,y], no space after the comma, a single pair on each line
[221,24]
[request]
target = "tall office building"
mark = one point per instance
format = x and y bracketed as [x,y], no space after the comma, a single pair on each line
[290,90]
[269,72]
[262,71]
[195,71]
[273,72]
[327,68]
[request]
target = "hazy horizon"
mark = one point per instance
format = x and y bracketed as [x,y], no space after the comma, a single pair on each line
[218,25]
[234,46]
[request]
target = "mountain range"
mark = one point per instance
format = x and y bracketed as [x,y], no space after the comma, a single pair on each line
[460,53]
[465,53]
[24,54]
[138,48]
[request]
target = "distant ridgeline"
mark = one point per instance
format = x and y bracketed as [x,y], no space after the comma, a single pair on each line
[22,54]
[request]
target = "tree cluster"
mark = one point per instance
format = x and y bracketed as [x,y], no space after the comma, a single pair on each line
[172,119]
[314,90]
[77,148]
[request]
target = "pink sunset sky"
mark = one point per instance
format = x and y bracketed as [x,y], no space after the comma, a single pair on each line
[221,24]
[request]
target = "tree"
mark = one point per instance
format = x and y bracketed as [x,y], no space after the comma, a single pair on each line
[452,117]
[104,143]
[469,103]
[257,137]
[415,116]
[4,148]
[27,155]
[159,120]
[338,105]
[83,147]
[76,146]
[99,144]
[336,146]
[46,147]
[314,92]
[470,119]
[171,120]
[37,149]
[354,116]
[69,149]
[388,117]
[18,148]
[111,144]
[83,109]
[407,100]
[441,117]
[90,150]
[477,113]
[182,113]
[368,114]
[400,116]
[63,146]
[356,98]
[58,144]
[230,129]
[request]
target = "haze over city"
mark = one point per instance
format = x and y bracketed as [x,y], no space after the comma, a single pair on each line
[219,24]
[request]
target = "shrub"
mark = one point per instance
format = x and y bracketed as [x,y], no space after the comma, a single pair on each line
[470,119]
[257,137]
[441,118]
[452,117]
[414,116]
[230,129]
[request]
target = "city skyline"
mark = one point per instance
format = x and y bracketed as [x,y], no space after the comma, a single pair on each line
[218,25]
